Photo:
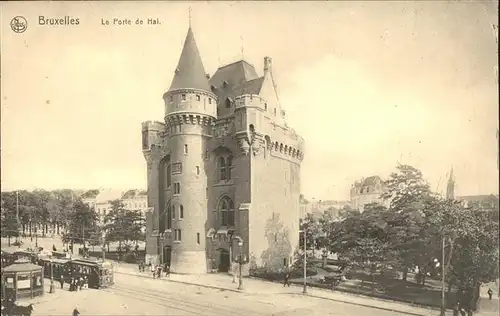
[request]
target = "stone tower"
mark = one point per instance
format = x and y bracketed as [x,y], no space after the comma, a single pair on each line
[179,202]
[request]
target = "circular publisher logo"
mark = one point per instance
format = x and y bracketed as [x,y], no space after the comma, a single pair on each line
[19,24]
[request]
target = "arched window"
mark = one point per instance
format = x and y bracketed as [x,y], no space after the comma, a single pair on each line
[228,103]
[222,168]
[167,217]
[227,212]
[173,212]
[229,166]
[181,212]
[169,175]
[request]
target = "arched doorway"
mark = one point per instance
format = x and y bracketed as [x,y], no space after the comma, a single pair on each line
[167,255]
[224,262]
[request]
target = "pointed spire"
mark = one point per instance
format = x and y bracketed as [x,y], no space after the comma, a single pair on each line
[450,188]
[190,73]
[190,17]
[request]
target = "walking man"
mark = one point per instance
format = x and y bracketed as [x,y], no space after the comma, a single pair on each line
[61,281]
[490,293]
[287,279]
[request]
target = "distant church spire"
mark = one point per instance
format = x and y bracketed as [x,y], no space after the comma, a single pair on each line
[450,188]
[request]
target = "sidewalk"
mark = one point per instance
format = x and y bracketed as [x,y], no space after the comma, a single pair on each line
[260,287]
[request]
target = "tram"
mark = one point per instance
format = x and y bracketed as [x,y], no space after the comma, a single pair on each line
[99,274]
[54,267]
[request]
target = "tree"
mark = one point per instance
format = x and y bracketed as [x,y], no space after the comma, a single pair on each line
[10,224]
[298,261]
[123,225]
[362,238]
[408,194]
[312,225]
[82,221]
[9,221]
[473,242]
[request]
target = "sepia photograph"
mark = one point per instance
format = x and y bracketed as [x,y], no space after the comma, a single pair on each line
[251,158]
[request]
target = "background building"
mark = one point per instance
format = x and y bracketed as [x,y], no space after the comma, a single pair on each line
[484,201]
[367,191]
[101,200]
[305,206]
[223,170]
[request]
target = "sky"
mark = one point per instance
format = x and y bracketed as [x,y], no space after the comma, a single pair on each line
[368,85]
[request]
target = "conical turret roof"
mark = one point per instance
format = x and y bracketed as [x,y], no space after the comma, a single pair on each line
[190,73]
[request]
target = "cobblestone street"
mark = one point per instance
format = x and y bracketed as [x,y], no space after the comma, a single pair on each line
[133,295]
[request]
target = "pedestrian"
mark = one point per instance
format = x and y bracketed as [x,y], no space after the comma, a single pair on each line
[158,271]
[76,312]
[167,270]
[287,279]
[80,283]
[61,281]
[490,293]
[153,270]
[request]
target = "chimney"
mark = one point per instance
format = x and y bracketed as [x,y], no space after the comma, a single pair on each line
[267,65]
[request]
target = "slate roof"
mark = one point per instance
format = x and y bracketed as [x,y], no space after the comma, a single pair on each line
[235,79]
[190,72]
[130,194]
[90,194]
[235,74]
[370,181]
[107,195]
[478,198]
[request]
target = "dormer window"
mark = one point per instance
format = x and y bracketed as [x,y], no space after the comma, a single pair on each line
[198,97]
[275,112]
[171,98]
[225,83]
[265,106]
[228,103]
[209,100]
[184,98]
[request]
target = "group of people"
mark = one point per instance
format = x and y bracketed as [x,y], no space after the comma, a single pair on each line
[78,281]
[156,269]
[76,284]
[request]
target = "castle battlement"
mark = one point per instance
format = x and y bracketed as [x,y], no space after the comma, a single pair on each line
[153,126]
[249,100]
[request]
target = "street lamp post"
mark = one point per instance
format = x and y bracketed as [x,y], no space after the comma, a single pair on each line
[240,280]
[305,261]
[443,307]
[103,235]
[52,287]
